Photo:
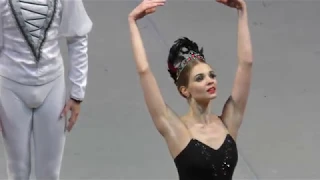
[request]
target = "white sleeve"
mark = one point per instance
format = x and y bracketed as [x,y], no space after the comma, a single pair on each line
[75,20]
[75,26]
[78,65]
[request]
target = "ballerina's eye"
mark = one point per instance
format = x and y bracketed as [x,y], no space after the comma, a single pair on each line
[199,77]
[212,74]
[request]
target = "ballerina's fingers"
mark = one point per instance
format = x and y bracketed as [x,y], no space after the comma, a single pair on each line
[152,4]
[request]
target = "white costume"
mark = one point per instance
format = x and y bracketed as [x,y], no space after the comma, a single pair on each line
[32,88]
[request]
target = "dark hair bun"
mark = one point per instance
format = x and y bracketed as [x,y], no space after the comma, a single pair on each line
[181,46]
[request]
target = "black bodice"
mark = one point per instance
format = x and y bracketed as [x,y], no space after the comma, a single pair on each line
[198,161]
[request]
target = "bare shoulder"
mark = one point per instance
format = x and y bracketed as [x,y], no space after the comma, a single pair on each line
[177,135]
[175,125]
[231,116]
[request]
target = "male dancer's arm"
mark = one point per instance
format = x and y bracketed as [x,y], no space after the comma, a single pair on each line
[78,66]
[78,71]
[75,26]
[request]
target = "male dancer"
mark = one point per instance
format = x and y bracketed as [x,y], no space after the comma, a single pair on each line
[32,87]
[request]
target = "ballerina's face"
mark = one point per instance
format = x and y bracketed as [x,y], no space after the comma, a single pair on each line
[202,83]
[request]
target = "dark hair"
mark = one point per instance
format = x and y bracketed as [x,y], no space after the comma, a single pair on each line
[177,53]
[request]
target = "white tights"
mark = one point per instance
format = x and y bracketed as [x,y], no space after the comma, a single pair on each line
[26,110]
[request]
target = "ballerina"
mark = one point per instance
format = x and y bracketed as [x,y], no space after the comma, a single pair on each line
[202,144]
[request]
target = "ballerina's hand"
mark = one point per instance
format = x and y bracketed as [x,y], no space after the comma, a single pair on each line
[238,4]
[145,7]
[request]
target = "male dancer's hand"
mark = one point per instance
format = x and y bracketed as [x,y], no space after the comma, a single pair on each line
[74,107]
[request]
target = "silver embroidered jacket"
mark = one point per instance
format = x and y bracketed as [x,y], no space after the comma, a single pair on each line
[29,41]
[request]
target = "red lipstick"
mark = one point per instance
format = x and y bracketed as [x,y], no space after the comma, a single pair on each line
[211,90]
